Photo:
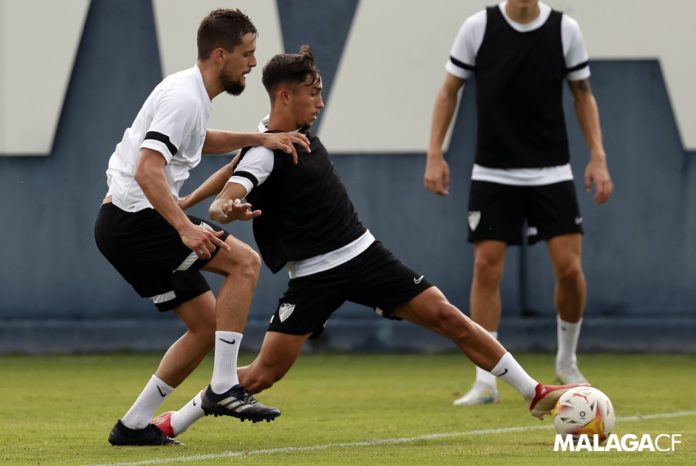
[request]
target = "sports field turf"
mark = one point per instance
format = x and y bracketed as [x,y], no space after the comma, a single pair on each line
[337,409]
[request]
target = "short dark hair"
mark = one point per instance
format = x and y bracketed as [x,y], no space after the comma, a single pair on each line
[292,68]
[223,28]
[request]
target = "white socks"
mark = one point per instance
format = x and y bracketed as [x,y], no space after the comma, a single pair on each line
[139,415]
[510,371]
[187,415]
[568,334]
[482,375]
[225,365]
[154,393]
[224,377]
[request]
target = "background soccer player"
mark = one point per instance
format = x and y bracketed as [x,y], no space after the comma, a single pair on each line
[521,52]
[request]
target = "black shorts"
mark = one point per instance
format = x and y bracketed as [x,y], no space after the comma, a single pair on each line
[499,212]
[375,279]
[147,251]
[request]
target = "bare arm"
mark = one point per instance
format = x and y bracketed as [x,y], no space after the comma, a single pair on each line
[223,142]
[436,178]
[149,174]
[587,113]
[228,206]
[210,187]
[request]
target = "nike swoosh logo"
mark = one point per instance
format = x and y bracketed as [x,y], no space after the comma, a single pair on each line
[229,342]
[417,280]
[503,373]
[160,391]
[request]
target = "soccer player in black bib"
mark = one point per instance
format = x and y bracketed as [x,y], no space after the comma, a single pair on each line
[521,53]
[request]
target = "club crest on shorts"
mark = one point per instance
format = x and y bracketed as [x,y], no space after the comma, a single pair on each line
[285,310]
[474,219]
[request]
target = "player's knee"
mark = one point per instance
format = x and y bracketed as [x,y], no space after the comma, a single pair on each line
[570,273]
[249,263]
[451,322]
[487,271]
[242,260]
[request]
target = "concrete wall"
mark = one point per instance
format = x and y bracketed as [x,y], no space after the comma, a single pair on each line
[58,294]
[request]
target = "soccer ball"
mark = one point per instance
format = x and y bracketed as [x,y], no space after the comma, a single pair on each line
[584,410]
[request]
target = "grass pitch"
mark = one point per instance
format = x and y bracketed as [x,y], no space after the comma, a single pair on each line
[363,409]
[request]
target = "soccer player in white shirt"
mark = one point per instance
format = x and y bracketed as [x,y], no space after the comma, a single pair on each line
[160,250]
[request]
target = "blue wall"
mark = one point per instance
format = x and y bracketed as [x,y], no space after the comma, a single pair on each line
[639,250]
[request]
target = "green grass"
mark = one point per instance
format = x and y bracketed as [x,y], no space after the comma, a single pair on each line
[60,409]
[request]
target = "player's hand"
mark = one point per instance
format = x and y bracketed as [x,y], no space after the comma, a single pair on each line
[238,210]
[437,176]
[286,142]
[202,240]
[597,173]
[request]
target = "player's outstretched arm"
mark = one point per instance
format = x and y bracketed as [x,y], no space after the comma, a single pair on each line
[223,142]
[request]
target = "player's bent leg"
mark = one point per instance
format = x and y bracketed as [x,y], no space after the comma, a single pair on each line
[182,357]
[240,266]
[279,351]
[189,350]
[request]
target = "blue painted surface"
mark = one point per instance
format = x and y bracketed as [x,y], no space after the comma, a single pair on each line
[639,250]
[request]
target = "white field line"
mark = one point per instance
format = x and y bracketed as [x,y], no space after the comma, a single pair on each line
[377,442]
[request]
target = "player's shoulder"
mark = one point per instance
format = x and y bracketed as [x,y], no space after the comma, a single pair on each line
[477,20]
[258,152]
[255,155]
[569,23]
[180,88]
[472,27]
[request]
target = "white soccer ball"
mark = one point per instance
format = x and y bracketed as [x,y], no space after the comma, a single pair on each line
[584,410]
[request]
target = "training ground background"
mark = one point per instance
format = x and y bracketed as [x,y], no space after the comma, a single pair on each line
[57,294]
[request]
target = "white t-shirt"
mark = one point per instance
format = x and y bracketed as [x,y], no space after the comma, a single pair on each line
[465,49]
[172,121]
